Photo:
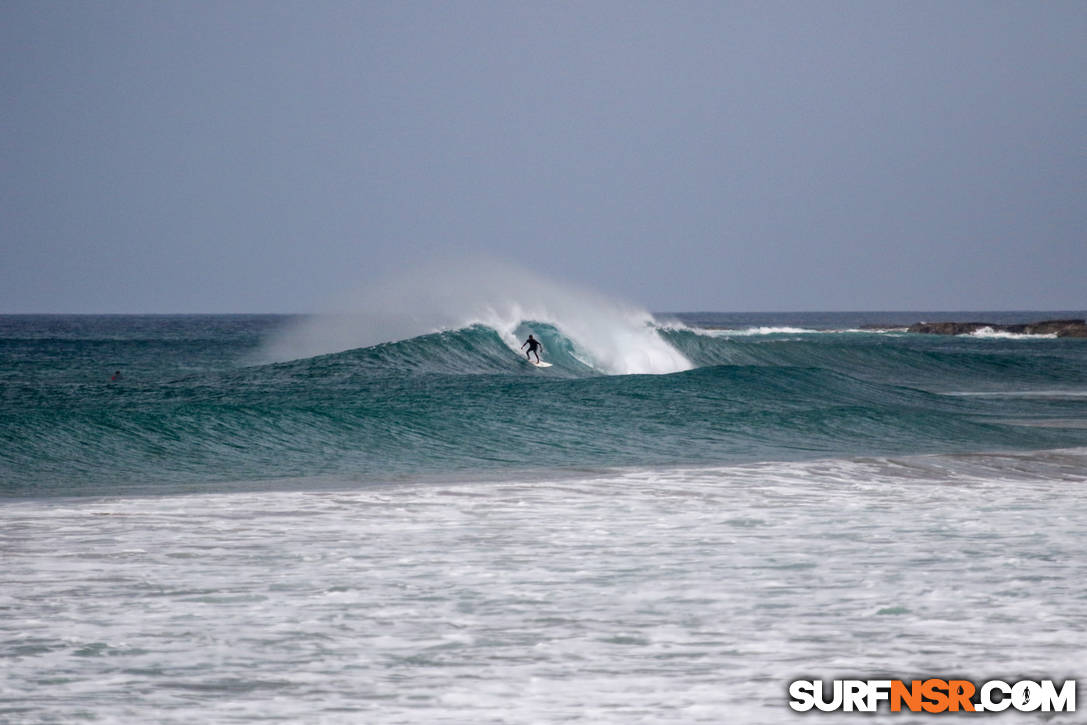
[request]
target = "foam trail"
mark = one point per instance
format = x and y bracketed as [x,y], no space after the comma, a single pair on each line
[611,335]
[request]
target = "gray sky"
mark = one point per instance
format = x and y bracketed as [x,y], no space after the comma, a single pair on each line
[249,156]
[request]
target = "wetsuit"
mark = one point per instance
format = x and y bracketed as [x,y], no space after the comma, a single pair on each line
[533,346]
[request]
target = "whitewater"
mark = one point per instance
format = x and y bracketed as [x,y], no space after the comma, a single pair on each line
[643,596]
[384,514]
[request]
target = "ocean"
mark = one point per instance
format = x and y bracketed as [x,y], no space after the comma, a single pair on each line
[332,519]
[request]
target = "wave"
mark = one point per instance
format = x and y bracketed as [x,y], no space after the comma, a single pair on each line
[945,366]
[461,400]
[934,364]
[586,332]
[606,334]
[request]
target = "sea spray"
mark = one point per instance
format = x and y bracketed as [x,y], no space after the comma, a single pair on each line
[609,335]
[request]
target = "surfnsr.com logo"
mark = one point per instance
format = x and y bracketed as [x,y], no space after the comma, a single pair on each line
[933,695]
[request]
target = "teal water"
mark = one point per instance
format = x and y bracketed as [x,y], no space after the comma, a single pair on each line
[197,409]
[669,525]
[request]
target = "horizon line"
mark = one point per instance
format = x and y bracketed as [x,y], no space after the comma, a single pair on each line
[657,312]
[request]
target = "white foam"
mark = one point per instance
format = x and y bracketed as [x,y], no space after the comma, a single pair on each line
[988,332]
[775,331]
[612,335]
[643,595]
[752,331]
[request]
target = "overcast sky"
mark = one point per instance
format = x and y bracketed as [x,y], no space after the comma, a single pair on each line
[264,156]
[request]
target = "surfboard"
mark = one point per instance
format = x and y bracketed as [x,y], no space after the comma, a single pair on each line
[540,364]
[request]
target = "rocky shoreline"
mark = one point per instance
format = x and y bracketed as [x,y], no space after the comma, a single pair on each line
[1060,328]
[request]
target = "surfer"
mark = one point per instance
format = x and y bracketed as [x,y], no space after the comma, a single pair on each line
[533,346]
[116,376]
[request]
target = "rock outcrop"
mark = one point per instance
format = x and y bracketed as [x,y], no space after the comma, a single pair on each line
[1060,328]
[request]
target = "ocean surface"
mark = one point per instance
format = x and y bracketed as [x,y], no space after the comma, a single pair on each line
[390,519]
